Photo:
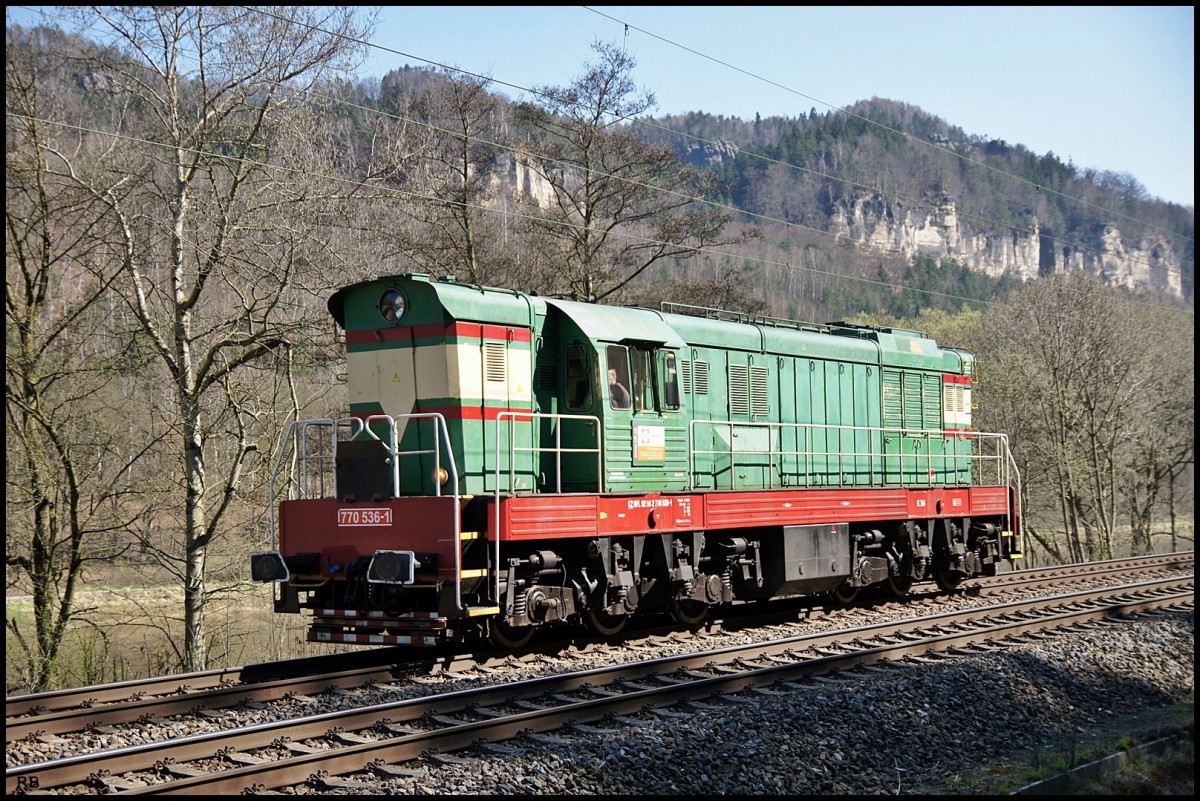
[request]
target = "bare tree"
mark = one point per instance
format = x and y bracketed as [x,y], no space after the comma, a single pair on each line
[456,182]
[617,204]
[726,292]
[222,224]
[68,488]
[1164,437]
[1072,368]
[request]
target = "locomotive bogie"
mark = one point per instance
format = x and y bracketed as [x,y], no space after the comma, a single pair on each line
[513,462]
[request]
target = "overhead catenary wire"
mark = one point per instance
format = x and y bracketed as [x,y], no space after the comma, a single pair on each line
[1038,187]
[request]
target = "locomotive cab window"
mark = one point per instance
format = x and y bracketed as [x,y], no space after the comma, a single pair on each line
[578,385]
[670,381]
[619,396]
[645,379]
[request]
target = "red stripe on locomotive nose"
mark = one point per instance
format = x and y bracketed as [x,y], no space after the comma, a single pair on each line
[438,331]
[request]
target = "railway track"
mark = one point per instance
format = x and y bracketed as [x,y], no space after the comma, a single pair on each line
[161,697]
[381,736]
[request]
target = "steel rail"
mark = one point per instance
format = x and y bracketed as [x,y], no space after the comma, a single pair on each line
[123,702]
[1014,617]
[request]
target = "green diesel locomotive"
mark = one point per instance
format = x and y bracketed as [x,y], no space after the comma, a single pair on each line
[510,461]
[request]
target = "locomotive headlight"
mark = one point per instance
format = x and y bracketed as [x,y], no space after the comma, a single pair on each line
[268,566]
[440,476]
[391,567]
[392,305]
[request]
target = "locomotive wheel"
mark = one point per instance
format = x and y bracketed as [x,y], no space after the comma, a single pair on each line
[688,612]
[946,580]
[844,593]
[899,585]
[600,622]
[509,637]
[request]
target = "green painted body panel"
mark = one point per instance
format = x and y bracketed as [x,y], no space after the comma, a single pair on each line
[760,405]
[820,346]
[700,332]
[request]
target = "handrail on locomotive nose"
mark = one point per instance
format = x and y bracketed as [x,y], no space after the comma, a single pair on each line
[313,461]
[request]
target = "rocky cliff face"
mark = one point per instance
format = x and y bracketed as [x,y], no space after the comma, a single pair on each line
[517,176]
[878,223]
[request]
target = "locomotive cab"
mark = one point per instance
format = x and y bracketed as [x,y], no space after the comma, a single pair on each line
[627,361]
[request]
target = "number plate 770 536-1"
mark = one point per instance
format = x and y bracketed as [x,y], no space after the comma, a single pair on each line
[365,517]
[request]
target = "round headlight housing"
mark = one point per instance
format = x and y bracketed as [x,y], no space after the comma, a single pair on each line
[392,305]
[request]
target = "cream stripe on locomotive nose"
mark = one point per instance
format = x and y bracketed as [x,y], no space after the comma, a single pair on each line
[384,378]
[396,378]
[491,371]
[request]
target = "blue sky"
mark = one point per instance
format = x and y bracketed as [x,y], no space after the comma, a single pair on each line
[1108,87]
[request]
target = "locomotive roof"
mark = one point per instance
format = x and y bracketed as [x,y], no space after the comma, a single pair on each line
[618,323]
[598,322]
[459,300]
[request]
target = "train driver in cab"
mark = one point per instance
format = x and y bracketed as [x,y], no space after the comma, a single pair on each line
[617,392]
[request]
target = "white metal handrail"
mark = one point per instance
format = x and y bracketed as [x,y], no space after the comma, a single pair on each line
[308,454]
[876,459]
[557,449]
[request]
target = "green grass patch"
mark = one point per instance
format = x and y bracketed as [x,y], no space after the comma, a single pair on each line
[132,632]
